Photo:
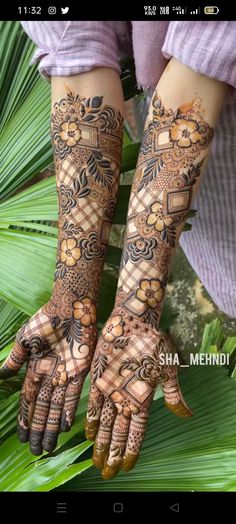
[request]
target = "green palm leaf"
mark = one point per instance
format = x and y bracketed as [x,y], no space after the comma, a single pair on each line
[17,79]
[21,471]
[24,255]
[38,202]
[25,142]
[25,110]
[197,454]
[11,320]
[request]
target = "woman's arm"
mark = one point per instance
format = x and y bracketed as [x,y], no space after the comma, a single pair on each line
[176,144]
[59,340]
[128,362]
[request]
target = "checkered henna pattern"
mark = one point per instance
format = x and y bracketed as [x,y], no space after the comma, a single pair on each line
[58,342]
[130,360]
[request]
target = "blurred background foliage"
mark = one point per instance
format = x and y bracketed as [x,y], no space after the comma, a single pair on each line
[197,454]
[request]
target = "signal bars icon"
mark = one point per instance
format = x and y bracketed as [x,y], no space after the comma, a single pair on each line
[179,10]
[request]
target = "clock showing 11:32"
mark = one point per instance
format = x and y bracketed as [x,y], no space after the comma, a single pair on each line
[31,10]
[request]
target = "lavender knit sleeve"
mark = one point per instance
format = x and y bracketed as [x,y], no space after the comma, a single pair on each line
[69,48]
[207,47]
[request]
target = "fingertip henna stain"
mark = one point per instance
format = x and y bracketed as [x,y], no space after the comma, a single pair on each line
[129,462]
[180,409]
[91,428]
[110,471]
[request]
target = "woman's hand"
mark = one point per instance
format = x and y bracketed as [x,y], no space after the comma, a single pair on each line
[58,343]
[130,361]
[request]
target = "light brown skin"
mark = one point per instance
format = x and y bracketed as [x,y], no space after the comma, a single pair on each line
[126,368]
[58,342]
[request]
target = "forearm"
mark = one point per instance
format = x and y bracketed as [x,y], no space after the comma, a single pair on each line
[87,114]
[127,366]
[176,144]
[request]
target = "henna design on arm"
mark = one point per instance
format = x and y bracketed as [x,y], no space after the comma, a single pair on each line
[59,340]
[167,169]
[127,366]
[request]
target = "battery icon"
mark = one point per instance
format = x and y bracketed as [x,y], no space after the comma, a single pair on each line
[211,10]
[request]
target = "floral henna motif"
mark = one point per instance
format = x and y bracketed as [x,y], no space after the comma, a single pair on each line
[113,328]
[157,218]
[132,356]
[70,253]
[90,247]
[147,368]
[142,248]
[150,292]
[123,386]
[66,199]
[70,133]
[85,311]
[58,342]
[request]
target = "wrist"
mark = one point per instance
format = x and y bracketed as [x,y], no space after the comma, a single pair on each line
[68,304]
[142,306]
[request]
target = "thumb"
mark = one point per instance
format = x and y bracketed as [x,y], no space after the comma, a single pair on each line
[174,399]
[14,361]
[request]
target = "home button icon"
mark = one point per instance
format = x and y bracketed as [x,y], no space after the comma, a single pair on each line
[118,507]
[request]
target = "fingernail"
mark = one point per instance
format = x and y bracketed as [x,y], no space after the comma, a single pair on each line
[100,455]
[23,434]
[35,442]
[64,424]
[110,471]
[180,409]
[129,462]
[49,441]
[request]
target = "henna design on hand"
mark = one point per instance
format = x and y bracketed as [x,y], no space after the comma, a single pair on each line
[58,342]
[127,367]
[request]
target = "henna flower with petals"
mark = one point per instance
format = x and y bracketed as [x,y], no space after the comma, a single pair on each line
[157,217]
[70,133]
[70,253]
[113,328]
[85,311]
[185,132]
[150,291]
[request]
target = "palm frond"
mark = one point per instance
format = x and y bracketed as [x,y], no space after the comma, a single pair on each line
[11,320]
[20,471]
[197,454]
[29,259]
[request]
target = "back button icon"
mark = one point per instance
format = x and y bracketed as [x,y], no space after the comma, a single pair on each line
[175,507]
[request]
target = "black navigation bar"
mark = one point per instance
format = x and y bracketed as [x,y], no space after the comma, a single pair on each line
[107,507]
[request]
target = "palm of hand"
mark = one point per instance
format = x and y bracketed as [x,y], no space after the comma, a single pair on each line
[128,364]
[59,353]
